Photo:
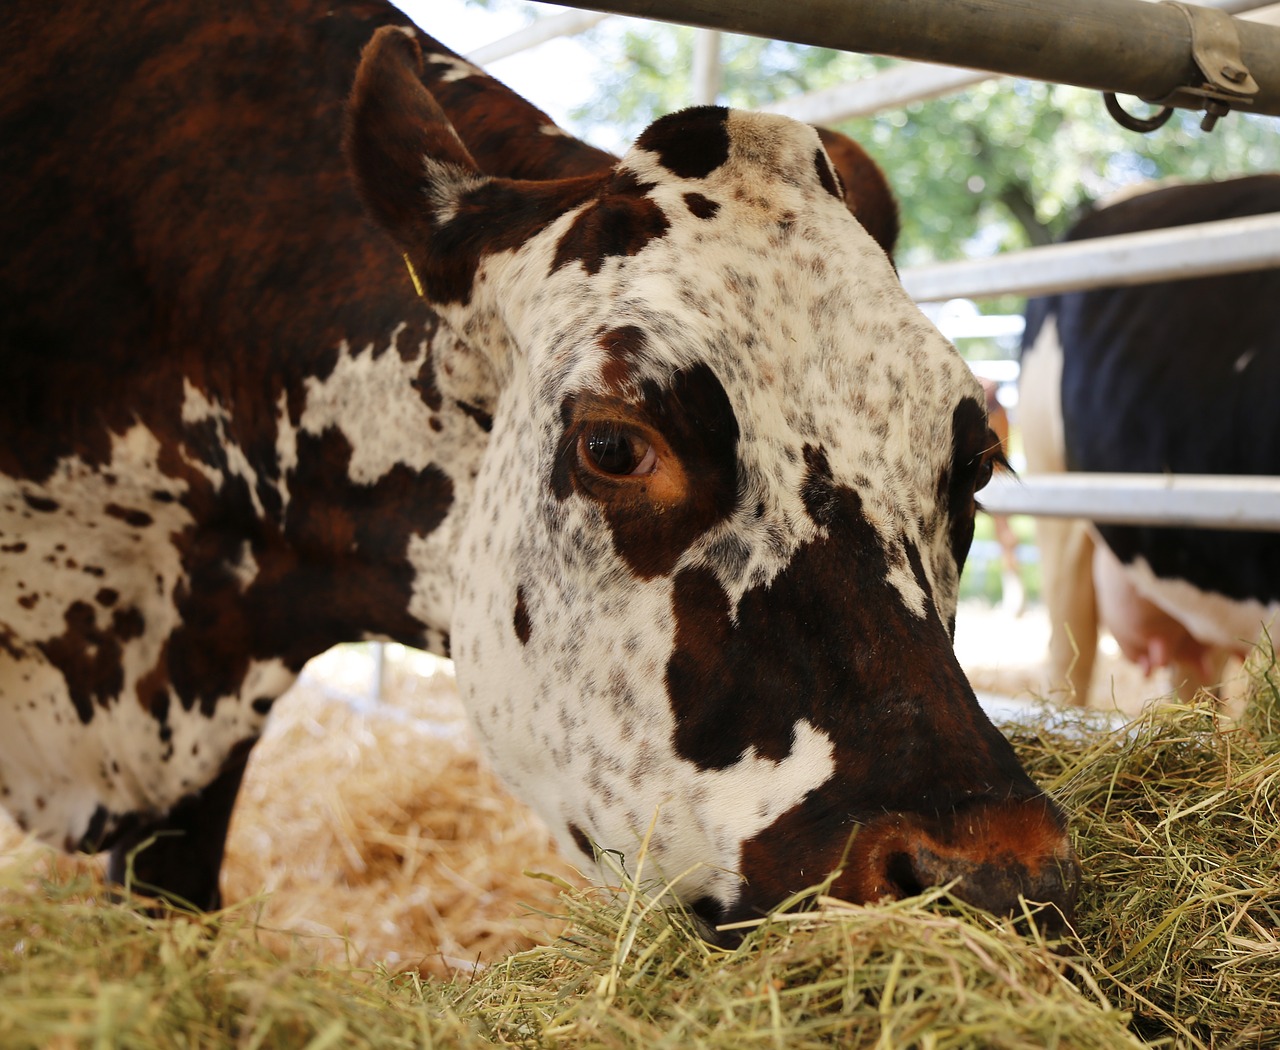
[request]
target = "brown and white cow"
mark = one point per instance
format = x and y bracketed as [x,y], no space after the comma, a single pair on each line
[662,456]
[1174,376]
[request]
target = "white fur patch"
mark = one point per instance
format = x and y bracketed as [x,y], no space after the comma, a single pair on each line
[286,448]
[197,408]
[458,68]
[370,400]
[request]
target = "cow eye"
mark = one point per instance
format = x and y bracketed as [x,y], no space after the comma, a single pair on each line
[616,451]
[986,467]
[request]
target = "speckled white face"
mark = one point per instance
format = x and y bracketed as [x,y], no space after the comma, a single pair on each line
[766,308]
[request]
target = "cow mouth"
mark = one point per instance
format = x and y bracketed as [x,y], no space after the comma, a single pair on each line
[1011,857]
[903,857]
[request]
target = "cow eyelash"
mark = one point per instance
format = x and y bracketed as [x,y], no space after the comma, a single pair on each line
[989,461]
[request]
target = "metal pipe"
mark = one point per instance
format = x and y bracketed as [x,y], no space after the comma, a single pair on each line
[1126,46]
[1258,9]
[1207,501]
[1199,249]
[567,23]
[706,67]
[912,82]
[900,86]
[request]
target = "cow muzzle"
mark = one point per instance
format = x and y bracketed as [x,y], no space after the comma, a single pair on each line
[1004,856]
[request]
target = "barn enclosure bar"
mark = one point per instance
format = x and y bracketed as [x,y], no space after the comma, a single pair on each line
[1196,250]
[1126,46]
[1207,501]
[910,82]
[900,86]
[567,23]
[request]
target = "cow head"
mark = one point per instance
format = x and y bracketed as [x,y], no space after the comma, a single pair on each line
[713,552]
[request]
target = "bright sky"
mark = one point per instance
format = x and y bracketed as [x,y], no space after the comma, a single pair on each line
[555,76]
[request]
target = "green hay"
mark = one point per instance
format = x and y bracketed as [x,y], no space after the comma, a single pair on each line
[83,972]
[898,975]
[1177,820]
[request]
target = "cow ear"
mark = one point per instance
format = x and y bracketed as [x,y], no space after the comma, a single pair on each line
[866,190]
[421,184]
[404,153]
[506,135]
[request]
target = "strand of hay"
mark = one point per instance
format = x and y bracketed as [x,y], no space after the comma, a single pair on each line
[899,975]
[79,970]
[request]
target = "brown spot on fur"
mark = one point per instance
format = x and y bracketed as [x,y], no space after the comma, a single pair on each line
[580,839]
[521,621]
[425,383]
[690,144]
[152,688]
[622,347]
[127,624]
[139,519]
[818,492]
[45,506]
[702,207]
[479,416]
[89,659]
[619,222]
[9,644]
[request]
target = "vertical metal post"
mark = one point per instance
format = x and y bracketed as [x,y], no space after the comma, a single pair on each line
[706,67]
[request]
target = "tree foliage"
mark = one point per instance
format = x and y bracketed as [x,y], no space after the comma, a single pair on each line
[1003,165]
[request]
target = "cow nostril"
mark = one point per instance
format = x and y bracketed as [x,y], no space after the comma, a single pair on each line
[997,855]
[901,873]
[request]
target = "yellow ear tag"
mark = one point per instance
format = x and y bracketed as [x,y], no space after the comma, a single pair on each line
[413,275]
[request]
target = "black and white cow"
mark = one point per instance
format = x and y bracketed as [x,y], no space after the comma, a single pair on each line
[1180,377]
[662,455]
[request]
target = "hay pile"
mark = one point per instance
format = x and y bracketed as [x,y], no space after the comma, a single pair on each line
[1178,826]
[377,831]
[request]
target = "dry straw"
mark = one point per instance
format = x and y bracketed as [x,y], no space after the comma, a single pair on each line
[1177,820]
